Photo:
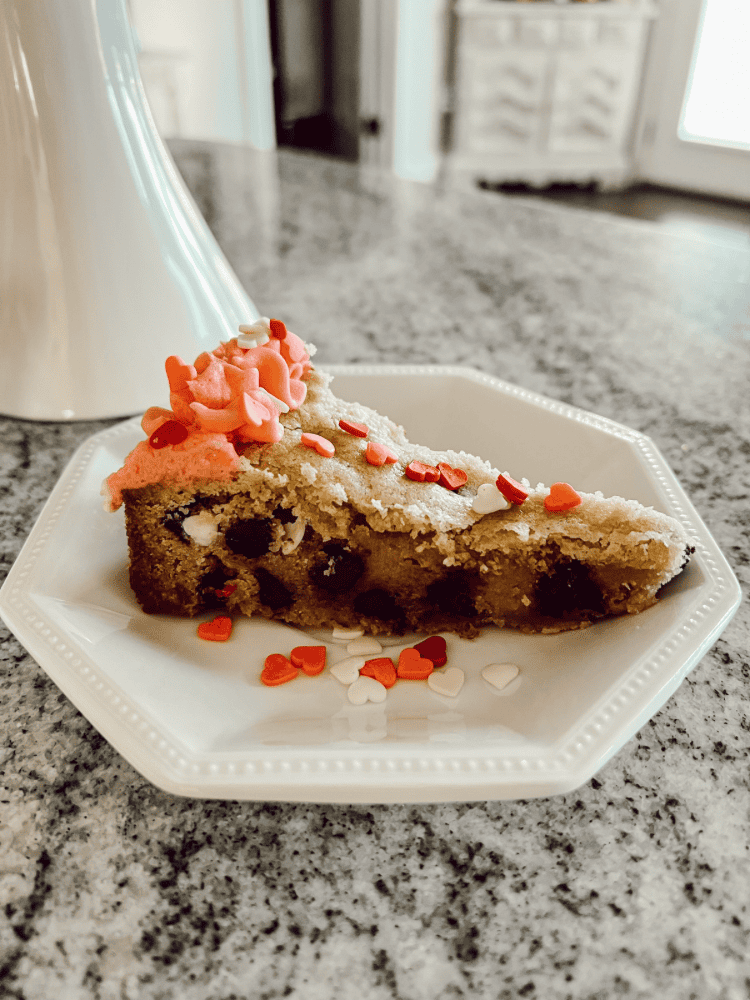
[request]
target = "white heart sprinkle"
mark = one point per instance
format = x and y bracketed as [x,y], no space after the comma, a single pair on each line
[262,325]
[278,403]
[249,342]
[339,632]
[499,675]
[364,646]
[347,671]
[366,689]
[489,499]
[254,334]
[448,681]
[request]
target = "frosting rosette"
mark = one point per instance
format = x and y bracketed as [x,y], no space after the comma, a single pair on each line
[291,349]
[237,391]
[229,396]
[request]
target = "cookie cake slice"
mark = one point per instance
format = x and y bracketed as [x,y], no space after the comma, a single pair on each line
[261,492]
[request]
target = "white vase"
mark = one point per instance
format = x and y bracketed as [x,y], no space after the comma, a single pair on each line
[106,265]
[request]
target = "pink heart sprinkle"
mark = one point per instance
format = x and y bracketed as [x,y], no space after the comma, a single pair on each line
[320,444]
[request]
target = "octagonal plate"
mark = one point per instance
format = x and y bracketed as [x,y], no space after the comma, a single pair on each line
[193,718]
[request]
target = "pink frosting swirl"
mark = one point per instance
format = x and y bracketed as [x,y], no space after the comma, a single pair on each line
[234,390]
[229,396]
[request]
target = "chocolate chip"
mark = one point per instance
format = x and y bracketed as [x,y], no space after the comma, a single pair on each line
[284,515]
[454,594]
[172,520]
[686,557]
[378,603]
[568,590]
[336,569]
[271,591]
[211,582]
[689,551]
[249,538]
[215,579]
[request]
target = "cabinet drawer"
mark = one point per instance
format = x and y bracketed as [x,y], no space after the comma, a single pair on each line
[502,98]
[516,74]
[592,100]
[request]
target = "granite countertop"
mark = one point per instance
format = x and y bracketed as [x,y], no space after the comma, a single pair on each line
[636,885]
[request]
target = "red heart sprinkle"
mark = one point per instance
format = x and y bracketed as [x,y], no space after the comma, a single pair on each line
[278,329]
[380,669]
[412,666]
[226,591]
[433,648]
[352,427]
[380,454]
[311,659]
[217,630]
[171,432]
[511,490]
[561,497]
[420,472]
[451,479]
[277,670]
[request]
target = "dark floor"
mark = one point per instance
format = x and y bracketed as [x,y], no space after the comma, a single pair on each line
[709,218]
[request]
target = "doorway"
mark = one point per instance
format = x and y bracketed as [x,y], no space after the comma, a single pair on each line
[315,55]
[694,131]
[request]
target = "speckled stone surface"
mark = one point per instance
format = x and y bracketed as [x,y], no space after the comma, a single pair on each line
[637,885]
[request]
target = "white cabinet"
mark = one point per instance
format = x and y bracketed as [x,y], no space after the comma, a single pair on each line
[547,92]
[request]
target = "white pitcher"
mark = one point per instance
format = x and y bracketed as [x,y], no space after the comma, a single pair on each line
[106,265]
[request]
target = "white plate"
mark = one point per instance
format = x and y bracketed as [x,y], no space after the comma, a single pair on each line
[193,718]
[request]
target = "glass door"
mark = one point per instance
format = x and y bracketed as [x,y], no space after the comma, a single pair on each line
[694,130]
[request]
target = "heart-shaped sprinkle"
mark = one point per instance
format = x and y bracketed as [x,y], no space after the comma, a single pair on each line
[412,666]
[510,489]
[322,445]
[433,649]
[347,671]
[339,632]
[274,400]
[352,427]
[364,646]
[254,334]
[169,433]
[366,689]
[310,659]
[489,499]
[154,417]
[278,329]
[226,591]
[380,454]
[448,682]
[420,472]
[217,630]
[380,669]
[499,675]
[561,497]
[451,479]
[277,670]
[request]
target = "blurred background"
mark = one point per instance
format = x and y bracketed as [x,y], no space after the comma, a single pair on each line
[632,106]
